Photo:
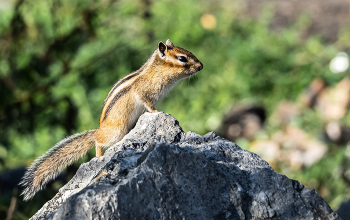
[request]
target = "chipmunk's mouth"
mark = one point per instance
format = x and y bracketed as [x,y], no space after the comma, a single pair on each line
[194,70]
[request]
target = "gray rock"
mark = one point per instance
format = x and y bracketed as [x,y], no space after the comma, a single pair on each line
[344,210]
[159,172]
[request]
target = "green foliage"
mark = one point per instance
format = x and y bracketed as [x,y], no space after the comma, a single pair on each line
[59,59]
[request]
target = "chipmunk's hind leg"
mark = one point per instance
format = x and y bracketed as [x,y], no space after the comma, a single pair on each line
[49,165]
[99,151]
[107,136]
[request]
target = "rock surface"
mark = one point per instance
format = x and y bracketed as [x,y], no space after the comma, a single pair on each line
[159,172]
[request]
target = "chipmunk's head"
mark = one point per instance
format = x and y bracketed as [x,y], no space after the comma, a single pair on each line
[182,62]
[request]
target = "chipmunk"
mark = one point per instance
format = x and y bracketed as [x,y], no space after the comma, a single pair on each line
[127,100]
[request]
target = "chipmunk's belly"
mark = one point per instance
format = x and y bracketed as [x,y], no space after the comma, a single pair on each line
[138,109]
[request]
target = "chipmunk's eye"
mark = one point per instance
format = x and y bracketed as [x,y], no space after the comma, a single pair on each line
[182,59]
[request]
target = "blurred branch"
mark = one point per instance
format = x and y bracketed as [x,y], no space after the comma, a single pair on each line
[12,204]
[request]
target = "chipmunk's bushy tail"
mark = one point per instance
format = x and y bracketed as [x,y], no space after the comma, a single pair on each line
[49,165]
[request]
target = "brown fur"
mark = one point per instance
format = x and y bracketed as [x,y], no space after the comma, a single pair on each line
[54,160]
[124,104]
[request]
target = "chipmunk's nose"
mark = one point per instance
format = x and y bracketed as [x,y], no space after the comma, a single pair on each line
[200,67]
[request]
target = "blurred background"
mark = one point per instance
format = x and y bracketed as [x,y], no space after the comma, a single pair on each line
[275,81]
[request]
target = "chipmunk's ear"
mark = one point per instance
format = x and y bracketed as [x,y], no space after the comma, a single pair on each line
[169,43]
[162,49]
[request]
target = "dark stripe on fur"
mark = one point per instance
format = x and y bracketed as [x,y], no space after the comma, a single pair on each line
[130,76]
[114,100]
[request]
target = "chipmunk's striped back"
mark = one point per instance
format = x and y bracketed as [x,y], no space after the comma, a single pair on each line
[119,89]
